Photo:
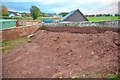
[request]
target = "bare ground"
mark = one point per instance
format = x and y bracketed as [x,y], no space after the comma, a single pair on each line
[66,55]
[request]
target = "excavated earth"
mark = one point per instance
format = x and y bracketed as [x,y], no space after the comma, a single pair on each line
[64,55]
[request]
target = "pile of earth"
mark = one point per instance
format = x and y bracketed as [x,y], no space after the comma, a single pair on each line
[64,55]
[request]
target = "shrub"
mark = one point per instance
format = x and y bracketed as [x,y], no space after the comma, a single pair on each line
[9,17]
[4,17]
[65,24]
[13,17]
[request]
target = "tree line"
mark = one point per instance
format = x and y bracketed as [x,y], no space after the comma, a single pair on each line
[92,15]
[35,13]
[100,15]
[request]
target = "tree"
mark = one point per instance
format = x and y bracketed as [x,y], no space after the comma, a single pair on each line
[86,15]
[117,14]
[23,14]
[99,15]
[63,14]
[4,11]
[43,14]
[92,15]
[35,12]
[28,14]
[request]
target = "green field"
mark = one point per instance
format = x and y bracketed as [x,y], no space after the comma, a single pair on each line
[102,18]
[30,18]
[43,18]
[58,18]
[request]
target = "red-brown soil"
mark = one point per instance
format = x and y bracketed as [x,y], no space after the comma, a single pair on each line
[65,55]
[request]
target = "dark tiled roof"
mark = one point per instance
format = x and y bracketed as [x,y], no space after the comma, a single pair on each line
[67,15]
[72,12]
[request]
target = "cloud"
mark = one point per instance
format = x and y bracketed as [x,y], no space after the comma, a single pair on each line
[40,1]
[86,6]
[111,8]
[119,7]
[18,11]
[68,1]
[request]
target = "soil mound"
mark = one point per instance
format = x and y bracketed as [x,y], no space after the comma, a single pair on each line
[64,55]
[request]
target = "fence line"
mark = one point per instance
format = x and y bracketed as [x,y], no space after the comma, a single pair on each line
[110,23]
[30,23]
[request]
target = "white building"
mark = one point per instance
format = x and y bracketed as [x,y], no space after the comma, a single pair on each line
[15,15]
[57,15]
[11,15]
[18,15]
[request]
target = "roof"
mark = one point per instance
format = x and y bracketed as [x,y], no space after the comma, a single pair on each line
[67,15]
[72,12]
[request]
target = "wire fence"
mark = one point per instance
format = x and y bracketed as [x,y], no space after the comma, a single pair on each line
[32,23]
[110,23]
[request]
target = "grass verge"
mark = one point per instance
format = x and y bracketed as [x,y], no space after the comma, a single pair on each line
[13,43]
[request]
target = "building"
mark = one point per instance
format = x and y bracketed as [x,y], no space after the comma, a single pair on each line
[57,15]
[12,15]
[53,15]
[74,16]
[15,15]
[18,15]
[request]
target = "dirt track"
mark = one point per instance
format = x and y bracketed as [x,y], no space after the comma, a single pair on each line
[52,54]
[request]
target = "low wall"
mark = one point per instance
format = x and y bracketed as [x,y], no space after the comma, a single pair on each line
[27,22]
[87,30]
[18,32]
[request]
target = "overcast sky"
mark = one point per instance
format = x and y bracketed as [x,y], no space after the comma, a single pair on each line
[57,6]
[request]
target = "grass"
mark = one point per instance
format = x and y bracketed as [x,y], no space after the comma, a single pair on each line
[13,43]
[39,19]
[111,76]
[74,77]
[102,18]
[93,74]
[47,18]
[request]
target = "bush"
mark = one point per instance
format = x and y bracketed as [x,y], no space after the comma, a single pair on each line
[13,17]
[9,17]
[4,17]
[16,18]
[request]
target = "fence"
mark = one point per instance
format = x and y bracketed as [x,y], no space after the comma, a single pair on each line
[110,23]
[21,23]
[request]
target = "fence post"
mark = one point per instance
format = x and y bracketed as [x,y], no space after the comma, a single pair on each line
[17,23]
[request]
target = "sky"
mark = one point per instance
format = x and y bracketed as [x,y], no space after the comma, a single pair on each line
[58,6]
